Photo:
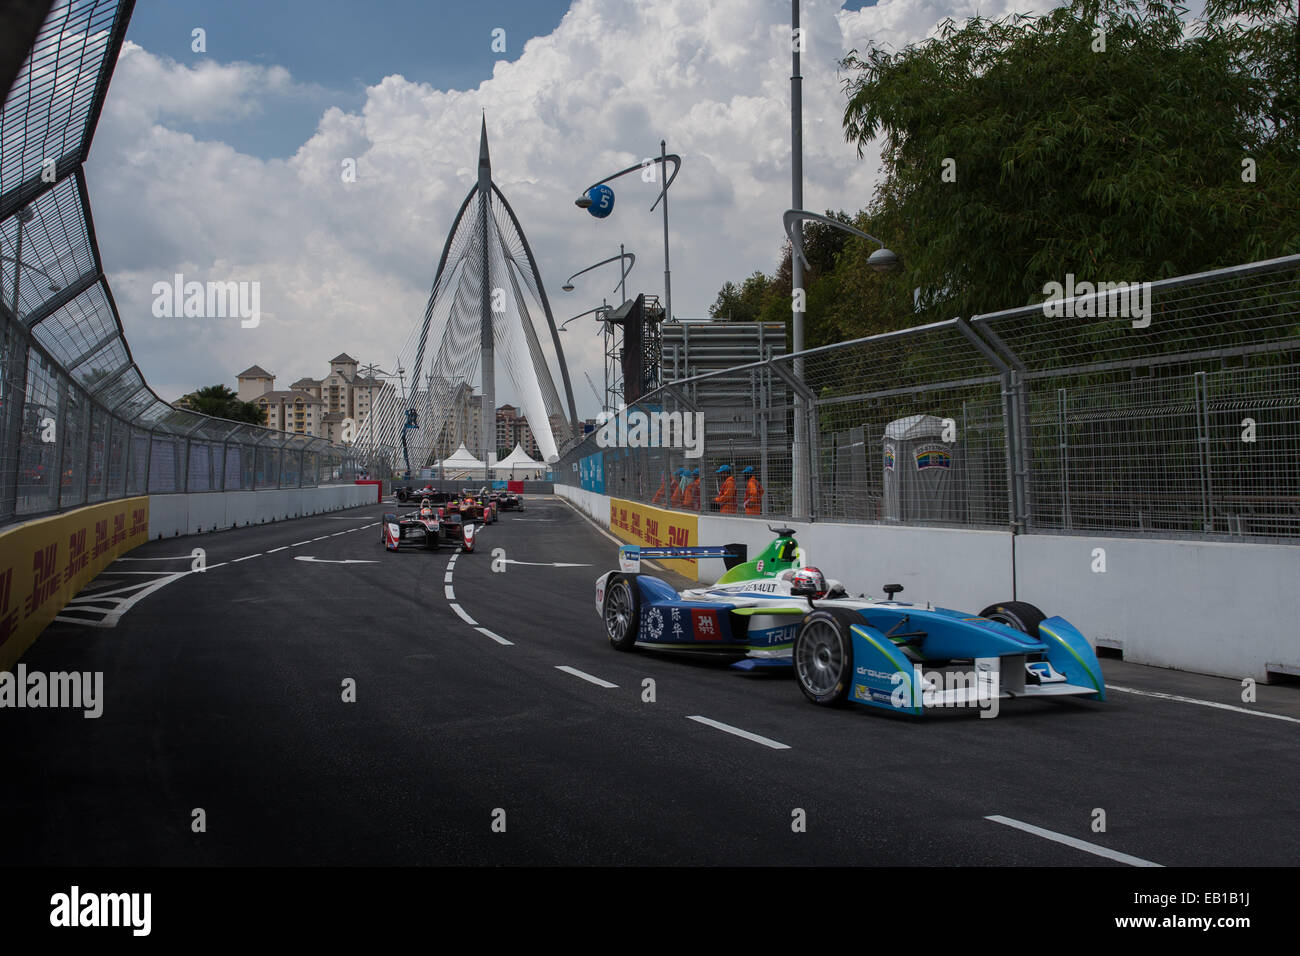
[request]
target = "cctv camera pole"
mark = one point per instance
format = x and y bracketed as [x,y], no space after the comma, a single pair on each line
[799,461]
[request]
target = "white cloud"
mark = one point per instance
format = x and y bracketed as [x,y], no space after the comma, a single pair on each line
[347,267]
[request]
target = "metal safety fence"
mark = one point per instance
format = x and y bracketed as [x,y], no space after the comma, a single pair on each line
[1168,408]
[78,422]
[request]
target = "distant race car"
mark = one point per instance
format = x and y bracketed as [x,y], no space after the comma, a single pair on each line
[405,493]
[775,611]
[428,526]
[508,500]
[475,506]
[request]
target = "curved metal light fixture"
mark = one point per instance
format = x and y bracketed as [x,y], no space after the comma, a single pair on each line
[882,260]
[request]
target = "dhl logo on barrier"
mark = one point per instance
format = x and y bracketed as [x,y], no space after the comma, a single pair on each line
[44,563]
[641,524]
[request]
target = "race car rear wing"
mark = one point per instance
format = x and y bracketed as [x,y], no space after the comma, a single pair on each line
[630,555]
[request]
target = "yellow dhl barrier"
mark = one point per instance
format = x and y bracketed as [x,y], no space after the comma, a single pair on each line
[641,524]
[44,563]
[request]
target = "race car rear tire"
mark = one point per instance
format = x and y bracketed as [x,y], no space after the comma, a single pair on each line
[1017,614]
[622,612]
[823,655]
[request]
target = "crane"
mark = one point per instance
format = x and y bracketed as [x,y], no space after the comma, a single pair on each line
[595,391]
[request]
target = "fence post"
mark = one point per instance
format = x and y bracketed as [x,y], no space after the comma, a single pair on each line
[814,459]
[1009,441]
[15,397]
[1202,412]
[1064,446]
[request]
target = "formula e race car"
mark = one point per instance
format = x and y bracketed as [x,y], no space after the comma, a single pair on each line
[474,506]
[775,611]
[428,526]
[508,500]
[405,493]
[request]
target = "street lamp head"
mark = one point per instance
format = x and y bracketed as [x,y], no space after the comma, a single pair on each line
[882,260]
[567,287]
[583,202]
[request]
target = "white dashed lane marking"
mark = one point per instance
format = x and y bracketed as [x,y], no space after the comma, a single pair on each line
[1202,703]
[1083,845]
[584,676]
[246,557]
[727,728]
[283,547]
[464,616]
[496,637]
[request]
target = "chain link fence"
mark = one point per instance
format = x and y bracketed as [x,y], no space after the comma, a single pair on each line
[78,422]
[1165,409]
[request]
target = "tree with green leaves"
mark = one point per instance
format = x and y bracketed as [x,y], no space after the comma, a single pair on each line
[220,402]
[1100,140]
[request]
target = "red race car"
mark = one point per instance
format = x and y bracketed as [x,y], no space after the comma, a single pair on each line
[428,525]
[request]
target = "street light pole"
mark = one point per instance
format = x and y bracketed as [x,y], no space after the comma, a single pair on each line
[668,276]
[663,159]
[799,463]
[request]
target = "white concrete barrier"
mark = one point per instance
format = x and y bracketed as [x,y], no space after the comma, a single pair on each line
[1227,609]
[171,515]
[950,567]
[1211,607]
[589,502]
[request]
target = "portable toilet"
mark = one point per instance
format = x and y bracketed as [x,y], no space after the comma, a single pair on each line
[921,471]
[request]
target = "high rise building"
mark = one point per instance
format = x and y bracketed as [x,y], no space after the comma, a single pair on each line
[318,407]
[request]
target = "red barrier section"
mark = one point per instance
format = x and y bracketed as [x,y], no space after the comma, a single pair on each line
[517,486]
[379,487]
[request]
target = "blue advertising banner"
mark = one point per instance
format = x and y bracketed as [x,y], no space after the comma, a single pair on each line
[591,472]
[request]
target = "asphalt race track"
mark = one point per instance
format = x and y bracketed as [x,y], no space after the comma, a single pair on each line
[223,691]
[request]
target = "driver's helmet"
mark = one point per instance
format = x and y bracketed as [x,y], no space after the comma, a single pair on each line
[426,512]
[808,578]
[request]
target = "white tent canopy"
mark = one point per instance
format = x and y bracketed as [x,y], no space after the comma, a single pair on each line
[518,461]
[462,460]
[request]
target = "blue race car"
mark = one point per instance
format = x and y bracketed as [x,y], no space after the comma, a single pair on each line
[775,611]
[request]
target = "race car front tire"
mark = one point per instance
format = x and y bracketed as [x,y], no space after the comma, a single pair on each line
[823,655]
[1017,614]
[622,612]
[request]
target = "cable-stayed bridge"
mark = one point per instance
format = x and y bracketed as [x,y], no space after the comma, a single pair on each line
[482,311]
